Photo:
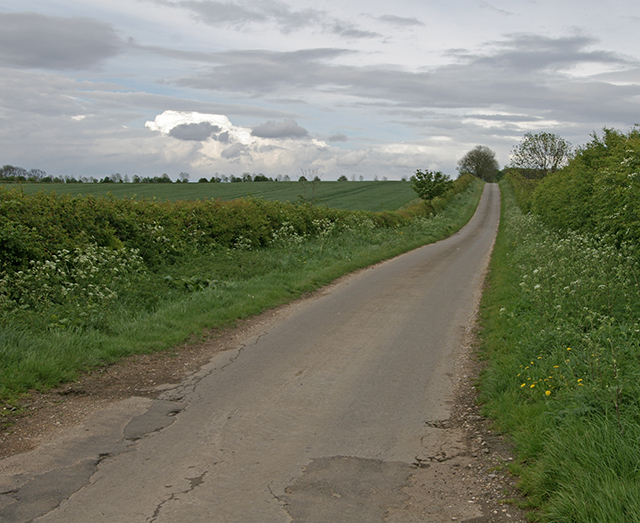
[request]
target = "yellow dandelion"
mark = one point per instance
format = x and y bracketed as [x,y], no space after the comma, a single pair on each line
[547,393]
[532,385]
[568,348]
[556,366]
[579,380]
[522,385]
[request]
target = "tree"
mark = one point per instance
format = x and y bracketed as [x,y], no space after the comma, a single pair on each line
[184,177]
[430,184]
[343,178]
[480,162]
[542,153]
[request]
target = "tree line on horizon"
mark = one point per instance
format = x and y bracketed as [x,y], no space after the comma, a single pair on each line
[10,173]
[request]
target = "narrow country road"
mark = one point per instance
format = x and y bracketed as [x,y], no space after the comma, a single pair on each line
[321,416]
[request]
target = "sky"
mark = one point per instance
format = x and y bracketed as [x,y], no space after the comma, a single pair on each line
[361,88]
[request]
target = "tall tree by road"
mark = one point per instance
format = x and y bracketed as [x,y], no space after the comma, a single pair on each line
[480,162]
[541,153]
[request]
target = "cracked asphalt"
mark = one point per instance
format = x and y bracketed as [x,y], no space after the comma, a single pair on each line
[334,410]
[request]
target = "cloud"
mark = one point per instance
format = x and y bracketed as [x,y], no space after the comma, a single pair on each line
[237,149]
[487,5]
[194,131]
[348,30]
[400,21]
[240,14]
[519,73]
[284,129]
[337,138]
[31,40]
[286,20]
[352,158]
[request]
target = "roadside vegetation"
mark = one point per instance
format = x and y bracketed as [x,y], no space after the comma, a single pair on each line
[85,281]
[561,332]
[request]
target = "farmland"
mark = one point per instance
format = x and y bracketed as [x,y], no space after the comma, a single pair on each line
[355,196]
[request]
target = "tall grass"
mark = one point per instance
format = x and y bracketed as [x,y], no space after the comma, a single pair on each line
[76,309]
[561,334]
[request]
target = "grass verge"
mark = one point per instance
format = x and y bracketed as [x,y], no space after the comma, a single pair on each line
[560,320]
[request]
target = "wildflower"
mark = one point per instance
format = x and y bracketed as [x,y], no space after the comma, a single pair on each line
[579,380]
[568,348]
[532,385]
[547,393]
[524,384]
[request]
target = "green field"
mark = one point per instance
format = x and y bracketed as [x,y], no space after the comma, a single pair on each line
[356,196]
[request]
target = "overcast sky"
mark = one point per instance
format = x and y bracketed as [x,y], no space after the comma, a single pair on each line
[367,88]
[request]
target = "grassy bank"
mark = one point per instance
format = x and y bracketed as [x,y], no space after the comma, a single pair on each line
[82,307]
[561,335]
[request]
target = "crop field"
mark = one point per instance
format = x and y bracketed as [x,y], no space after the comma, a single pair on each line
[356,196]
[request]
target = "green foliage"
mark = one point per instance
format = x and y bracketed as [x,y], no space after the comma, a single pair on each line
[430,184]
[540,154]
[599,190]
[561,336]
[480,162]
[522,186]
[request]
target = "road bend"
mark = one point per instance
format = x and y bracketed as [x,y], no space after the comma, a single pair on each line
[320,415]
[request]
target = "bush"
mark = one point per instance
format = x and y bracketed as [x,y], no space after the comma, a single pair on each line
[430,184]
[598,191]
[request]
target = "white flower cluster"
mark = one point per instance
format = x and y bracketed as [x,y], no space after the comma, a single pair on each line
[83,277]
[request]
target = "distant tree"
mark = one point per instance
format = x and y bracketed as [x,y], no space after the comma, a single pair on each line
[184,177]
[343,178]
[286,178]
[480,162]
[203,180]
[36,175]
[309,188]
[246,177]
[136,178]
[261,178]
[163,179]
[541,154]
[430,184]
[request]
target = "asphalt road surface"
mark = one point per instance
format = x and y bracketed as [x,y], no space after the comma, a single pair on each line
[318,416]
